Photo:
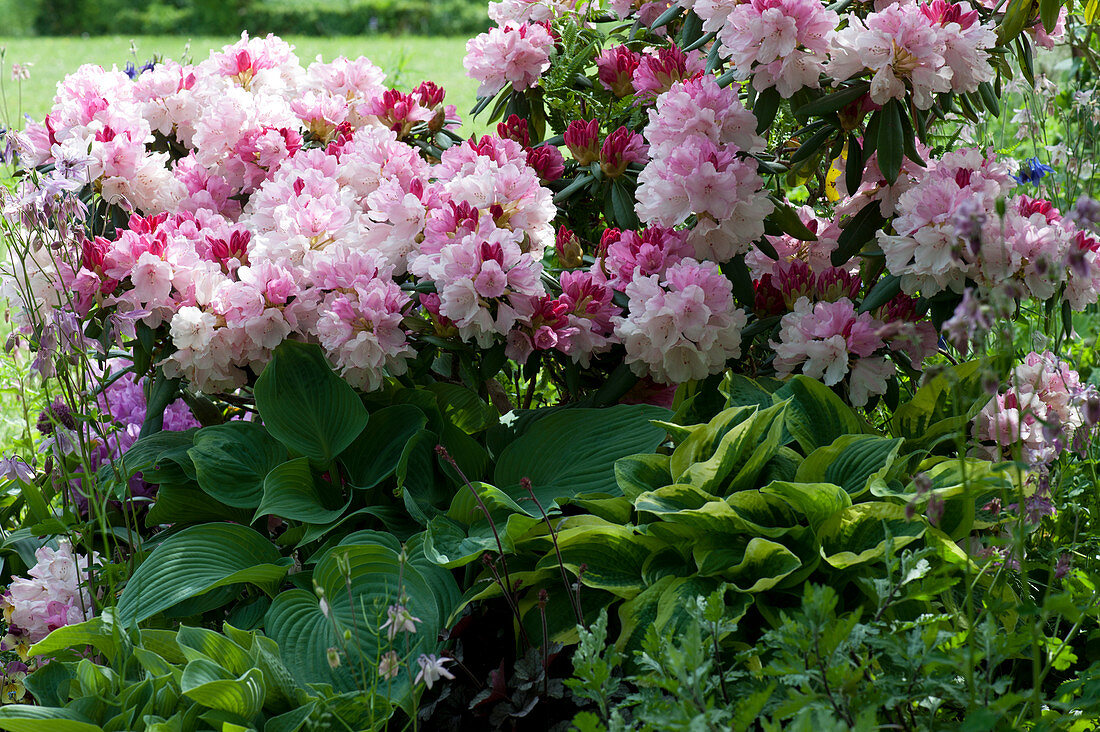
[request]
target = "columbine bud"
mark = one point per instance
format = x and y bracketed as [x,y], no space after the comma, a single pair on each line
[1092,409]
[935,509]
[583,140]
[333,658]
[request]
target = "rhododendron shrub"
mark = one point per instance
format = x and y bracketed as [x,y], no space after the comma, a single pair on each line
[628,212]
[746,292]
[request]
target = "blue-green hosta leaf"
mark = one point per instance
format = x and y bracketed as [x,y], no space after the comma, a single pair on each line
[375,453]
[573,451]
[858,533]
[195,561]
[818,502]
[816,415]
[637,474]
[356,604]
[26,718]
[851,462]
[464,408]
[212,686]
[292,491]
[305,405]
[232,459]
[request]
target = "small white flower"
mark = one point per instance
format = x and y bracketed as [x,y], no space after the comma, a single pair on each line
[431,669]
[400,620]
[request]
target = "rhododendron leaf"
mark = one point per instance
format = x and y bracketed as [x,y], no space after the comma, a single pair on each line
[26,718]
[667,17]
[622,205]
[1018,14]
[811,145]
[637,474]
[788,221]
[850,462]
[574,187]
[212,686]
[1092,10]
[375,453]
[292,491]
[738,273]
[832,102]
[233,459]
[854,163]
[574,451]
[305,405]
[858,534]
[197,560]
[891,140]
[885,290]
[817,416]
[857,231]
[766,108]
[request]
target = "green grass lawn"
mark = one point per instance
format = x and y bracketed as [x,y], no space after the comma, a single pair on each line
[407,61]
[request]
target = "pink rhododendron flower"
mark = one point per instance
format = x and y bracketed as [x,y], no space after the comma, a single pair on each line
[683,325]
[54,594]
[512,55]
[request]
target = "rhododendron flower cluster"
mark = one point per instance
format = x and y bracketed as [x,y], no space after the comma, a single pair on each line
[508,55]
[949,231]
[54,594]
[681,325]
[698,131]
[780,43]
[830,340]
[932,48]
[1041,410]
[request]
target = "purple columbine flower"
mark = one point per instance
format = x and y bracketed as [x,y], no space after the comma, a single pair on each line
[1032,171]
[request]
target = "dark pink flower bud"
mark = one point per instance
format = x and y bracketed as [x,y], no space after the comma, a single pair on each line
[515,128]
[547,162]
[616,70]
[621,148]
[583,140]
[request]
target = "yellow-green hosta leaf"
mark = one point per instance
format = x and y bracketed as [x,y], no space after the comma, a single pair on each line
[851,462]
[858,533]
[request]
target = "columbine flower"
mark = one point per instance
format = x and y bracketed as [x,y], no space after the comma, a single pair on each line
[431,669]
[1032,172]
[400,620]
[390,666]
[14,468]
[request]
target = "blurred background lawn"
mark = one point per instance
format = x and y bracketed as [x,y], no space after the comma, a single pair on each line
[407,60]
